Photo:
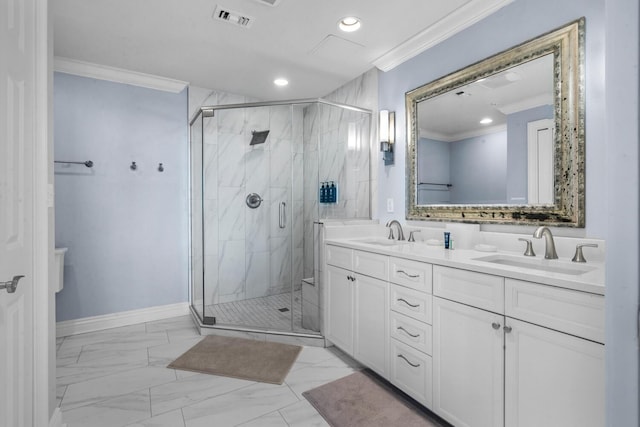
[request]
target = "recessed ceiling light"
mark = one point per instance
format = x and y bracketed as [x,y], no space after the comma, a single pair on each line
[486,121]
[349,24]
[281,82]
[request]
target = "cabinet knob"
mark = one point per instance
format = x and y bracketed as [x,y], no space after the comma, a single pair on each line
[495,325]
[507,329]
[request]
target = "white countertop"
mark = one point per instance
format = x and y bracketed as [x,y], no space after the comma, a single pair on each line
[591,281]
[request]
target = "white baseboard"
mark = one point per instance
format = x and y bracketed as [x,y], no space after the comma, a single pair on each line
[124,318]
[56,419]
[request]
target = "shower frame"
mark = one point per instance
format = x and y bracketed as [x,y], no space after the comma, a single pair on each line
[207,111]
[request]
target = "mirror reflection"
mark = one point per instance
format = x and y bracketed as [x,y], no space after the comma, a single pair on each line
[490,141]
[502,141]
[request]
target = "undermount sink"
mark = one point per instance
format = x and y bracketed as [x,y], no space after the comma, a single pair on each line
[553,266]
[381,242]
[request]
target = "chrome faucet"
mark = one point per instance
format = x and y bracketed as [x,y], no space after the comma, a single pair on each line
[400,233]
[550,246]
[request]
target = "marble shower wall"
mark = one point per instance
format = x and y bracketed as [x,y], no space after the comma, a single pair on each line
[245,252]
[337,145]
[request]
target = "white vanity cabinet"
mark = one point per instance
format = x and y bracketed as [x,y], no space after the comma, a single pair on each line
[498,367]
[468,349]
[339,322]
[410,330]
[558,366]
[357,304]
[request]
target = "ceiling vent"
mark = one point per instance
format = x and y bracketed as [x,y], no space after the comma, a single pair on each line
[233,17]
[269,2]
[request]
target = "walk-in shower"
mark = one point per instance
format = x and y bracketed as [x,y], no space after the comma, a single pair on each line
[258,172]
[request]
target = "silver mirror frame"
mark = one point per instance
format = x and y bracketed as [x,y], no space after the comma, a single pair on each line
[567,46]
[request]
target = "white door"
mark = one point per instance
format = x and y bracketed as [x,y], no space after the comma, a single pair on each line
[468,365]
[340,308]
[552,379]
[540,162]
[371,324]
[17,142]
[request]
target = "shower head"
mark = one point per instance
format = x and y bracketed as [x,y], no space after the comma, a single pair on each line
[258,137]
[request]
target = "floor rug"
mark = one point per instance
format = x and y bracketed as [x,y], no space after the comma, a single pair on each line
[252,360]
[362,399]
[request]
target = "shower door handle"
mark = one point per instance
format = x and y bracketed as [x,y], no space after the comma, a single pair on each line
[282,218]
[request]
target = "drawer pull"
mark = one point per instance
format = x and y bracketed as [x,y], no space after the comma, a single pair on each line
[407,360]
[400,328]
[413,276]
[408,303]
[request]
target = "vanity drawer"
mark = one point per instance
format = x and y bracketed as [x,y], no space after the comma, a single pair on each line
[413,274]
[410,302]
[411,332]
[411,371]
[468,287]
[370,264]
[565,310]
[339,256]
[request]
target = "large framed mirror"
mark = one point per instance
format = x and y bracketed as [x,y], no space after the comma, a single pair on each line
[502,140]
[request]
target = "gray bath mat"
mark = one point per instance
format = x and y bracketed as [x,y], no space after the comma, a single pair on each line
[363,400]
[242,358]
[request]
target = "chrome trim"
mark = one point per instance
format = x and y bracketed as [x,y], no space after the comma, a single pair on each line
[407,302]
[413,276]
[407,360]
[400,328]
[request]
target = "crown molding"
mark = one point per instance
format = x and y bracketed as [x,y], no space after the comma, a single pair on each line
[118,75]
[450,25]
[424,133]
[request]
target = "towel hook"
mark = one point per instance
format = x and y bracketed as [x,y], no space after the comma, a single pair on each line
[160,167]
[133,166]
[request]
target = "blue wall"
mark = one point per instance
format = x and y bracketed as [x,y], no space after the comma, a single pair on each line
[127,231]
[434,158]
[612,154]
[479,169]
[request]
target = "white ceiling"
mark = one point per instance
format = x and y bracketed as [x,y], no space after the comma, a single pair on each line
[297,39]
[456,114]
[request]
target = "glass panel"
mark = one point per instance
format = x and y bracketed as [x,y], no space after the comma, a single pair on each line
[256,207]
[197,267]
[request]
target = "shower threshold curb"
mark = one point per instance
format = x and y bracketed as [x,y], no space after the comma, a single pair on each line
[258,334]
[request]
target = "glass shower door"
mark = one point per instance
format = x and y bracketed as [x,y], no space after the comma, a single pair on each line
[248,217]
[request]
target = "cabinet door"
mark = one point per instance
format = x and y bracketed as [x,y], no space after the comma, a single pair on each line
[371,324]
[339,319]
[468,365]
[552,379]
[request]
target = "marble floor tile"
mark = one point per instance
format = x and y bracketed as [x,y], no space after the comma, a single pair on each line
[314,376]
[116,412]
[129,342]
[274,419]
[239,406]
[101,367]
[162,355]
[312,355]
[302,414]
[190,390]
[170,419]
[101,336]
[110,386]
[118,377]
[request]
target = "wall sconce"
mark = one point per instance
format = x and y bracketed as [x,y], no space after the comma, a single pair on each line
[387,135]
